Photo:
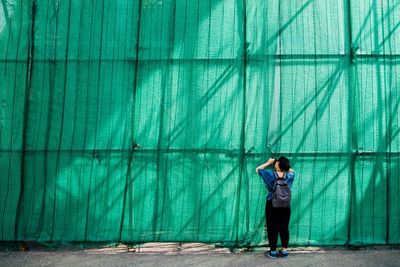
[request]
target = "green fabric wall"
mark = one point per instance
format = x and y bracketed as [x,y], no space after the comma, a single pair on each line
[135,121]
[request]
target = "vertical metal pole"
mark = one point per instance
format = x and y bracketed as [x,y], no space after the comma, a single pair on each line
[29,70]
[352,141]
[132,145]
[243,130]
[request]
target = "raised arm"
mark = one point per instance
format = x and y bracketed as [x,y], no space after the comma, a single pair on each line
[265,165]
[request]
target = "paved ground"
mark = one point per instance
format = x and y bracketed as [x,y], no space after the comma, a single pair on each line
[197,255]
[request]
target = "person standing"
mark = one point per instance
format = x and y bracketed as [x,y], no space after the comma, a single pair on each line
[277,218]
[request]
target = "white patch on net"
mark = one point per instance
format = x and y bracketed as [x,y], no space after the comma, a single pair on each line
[6,12]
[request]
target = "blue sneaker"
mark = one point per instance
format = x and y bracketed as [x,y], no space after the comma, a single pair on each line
[283,254]
[271,254]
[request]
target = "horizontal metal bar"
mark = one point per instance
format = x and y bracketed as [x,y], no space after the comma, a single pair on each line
[249,58]
[227,152]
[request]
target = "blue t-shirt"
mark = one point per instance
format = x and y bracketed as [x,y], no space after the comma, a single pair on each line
[269,178]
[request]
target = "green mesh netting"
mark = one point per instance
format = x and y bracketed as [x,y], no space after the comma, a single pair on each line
[144,120]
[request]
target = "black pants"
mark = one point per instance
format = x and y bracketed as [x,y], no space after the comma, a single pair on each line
[277,222]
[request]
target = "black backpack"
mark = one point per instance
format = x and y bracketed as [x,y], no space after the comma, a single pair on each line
[281,196]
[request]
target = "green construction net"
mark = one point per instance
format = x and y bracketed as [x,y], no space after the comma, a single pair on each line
[137,121]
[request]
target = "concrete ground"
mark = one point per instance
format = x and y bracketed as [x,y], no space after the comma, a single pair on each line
[171,254]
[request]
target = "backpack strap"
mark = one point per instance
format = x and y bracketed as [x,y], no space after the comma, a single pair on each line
[278,178]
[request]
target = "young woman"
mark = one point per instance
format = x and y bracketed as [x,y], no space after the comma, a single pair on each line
[277,219]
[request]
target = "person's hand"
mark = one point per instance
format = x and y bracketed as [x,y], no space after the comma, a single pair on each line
[266,164]
[270,161]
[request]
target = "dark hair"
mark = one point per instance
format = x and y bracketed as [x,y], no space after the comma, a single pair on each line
[284,164]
